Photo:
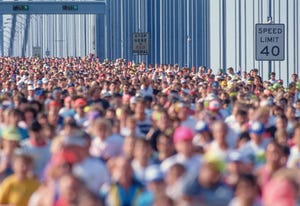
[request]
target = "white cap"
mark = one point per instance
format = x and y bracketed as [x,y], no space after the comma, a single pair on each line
[45,80]
[30,87]
[29,82]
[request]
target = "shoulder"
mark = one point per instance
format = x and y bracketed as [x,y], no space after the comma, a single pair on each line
[115,138]
[167,163]
[224,190]
[294,150]
[234,202]
[9,180]
[33,181]
[25,143]
[246,149]
[191,186]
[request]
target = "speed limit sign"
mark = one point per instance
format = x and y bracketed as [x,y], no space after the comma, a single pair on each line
[269,42]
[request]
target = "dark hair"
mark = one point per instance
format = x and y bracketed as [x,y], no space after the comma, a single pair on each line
[35,126]
[242,113]
[246,177]
[24,157]
[30,110]
[285,150]
[283,117]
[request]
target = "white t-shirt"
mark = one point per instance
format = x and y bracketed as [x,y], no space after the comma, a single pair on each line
[146,91]
[255,152]
[93,172]
[125,131]
[144,126]
[234,131]
[190,122]
[40,154]
[139,171]
[64,112]
[273,81]
[80,120]
[191,164]
[235,202]
[110,147]
[230,120]
[294,158]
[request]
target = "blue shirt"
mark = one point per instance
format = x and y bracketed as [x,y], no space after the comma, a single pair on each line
[217,195]
[146,199]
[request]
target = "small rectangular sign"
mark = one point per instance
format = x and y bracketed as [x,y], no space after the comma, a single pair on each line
[141,43]
[36,51]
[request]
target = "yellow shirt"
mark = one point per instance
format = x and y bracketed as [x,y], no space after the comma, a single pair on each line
[17,192]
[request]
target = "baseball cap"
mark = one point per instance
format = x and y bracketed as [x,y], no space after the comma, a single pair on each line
[257,128]
[201,126]
[211,96]
[6,104]
[106,94]
[39,82]
[30,88]
[214,105]
[11,134]
[64,156]
[21,84]
[276,86]
[76,140]
[183,81]
[29,82]
[45,80]
[154,174]
[71,85]
[54,103]
[235,156]
[214,161]
[133,100]
[224,83]
[80,102]
[215,84]
[182,104]
[183,133]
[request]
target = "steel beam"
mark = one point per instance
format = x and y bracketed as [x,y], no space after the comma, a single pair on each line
[61,7]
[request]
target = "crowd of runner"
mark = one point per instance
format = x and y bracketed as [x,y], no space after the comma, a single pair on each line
[84,132]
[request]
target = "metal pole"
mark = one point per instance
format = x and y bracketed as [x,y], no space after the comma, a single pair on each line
[270,21]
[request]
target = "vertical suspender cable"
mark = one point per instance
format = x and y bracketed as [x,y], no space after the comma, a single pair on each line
[245,30]
[287,37]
